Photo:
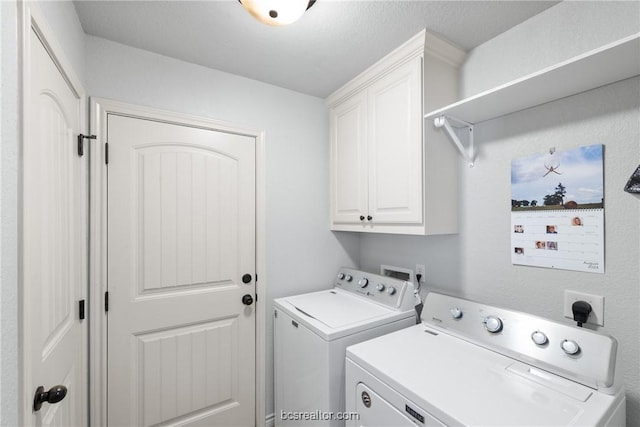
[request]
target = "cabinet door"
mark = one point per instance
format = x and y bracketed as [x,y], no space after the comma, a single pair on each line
[348,160]
[395,146]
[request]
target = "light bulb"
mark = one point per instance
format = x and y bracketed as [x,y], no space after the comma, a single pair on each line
[276,12]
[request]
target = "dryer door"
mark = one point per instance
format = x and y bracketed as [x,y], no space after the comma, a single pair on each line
[373,410]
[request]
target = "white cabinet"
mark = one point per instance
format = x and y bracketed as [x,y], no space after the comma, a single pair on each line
[378,158]
[349,190]
[394,142]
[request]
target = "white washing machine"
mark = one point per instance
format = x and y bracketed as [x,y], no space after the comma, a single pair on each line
[470,364]
[312,331]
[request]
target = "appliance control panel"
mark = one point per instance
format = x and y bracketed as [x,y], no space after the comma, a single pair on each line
[576,353]
[384,290]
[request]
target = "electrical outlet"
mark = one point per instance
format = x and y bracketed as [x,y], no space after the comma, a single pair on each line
[420,269]
[596,317]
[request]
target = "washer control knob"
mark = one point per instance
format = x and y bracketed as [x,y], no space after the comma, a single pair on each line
[341,276]
[456,313]
[493,324]
[570,347]
[380,287]
[363,282]
[391,290]
[539,338]
[348,278]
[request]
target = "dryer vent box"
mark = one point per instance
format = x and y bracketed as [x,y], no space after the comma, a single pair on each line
[405,274]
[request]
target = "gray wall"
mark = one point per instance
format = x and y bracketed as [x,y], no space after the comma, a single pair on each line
[554,35]
[611,116]
[8,215]
[477,263]
[302,254]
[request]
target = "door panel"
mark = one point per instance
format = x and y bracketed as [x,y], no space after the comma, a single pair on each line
[184,370]
[349,158]
[55,245]
[181,234]
[395,152]
[185,221]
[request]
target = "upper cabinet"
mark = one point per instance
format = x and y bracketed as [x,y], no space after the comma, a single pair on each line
[388,173]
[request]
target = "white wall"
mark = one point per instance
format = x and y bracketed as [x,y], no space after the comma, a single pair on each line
[439,255]
[62,18]
[302,254]
[9,216]
[558,33]
[609,115]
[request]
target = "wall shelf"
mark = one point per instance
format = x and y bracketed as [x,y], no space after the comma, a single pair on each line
[608,64]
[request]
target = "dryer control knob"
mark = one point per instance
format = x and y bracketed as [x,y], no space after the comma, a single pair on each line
[363,282]
[539,338]
[391,290]
[570,347]
[456,313]
[493,324]
[349,278]
[380,287]
[340,276]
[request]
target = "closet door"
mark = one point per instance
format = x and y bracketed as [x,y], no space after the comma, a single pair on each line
[395,146]
[54,243]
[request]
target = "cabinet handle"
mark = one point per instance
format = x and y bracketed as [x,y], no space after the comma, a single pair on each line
[361,217]
[369,217]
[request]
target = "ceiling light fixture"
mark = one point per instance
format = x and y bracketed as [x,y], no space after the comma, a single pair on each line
[277,12]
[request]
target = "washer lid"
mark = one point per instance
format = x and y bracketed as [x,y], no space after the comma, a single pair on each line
[337,309]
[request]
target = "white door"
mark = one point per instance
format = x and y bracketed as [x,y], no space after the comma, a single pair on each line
[349,161]
[181,245]
[395,150]
[55,243]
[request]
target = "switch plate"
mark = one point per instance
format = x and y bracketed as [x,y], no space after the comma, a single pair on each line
[596,317]
[420,269]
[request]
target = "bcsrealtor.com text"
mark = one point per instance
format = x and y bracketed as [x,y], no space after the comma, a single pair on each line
[318,416]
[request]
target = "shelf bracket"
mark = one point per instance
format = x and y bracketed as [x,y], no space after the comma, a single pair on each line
[448,124]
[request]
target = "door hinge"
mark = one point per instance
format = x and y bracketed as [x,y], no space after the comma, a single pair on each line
[106,153]
[106,301]
[81,309]
[81,139]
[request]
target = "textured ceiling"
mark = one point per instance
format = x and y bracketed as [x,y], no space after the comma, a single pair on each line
[333,42]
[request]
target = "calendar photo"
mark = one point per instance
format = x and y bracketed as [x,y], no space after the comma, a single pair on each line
[557,210]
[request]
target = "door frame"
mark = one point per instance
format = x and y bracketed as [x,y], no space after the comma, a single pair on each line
[99,109]
[30,16]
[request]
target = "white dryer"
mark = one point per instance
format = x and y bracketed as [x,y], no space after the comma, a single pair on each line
[312,331]
[470,364]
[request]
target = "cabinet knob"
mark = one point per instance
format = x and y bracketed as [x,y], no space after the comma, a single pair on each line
[369,217]
[361,217]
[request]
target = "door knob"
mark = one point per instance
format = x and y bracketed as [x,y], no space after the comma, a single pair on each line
[247,299]
[54,395]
